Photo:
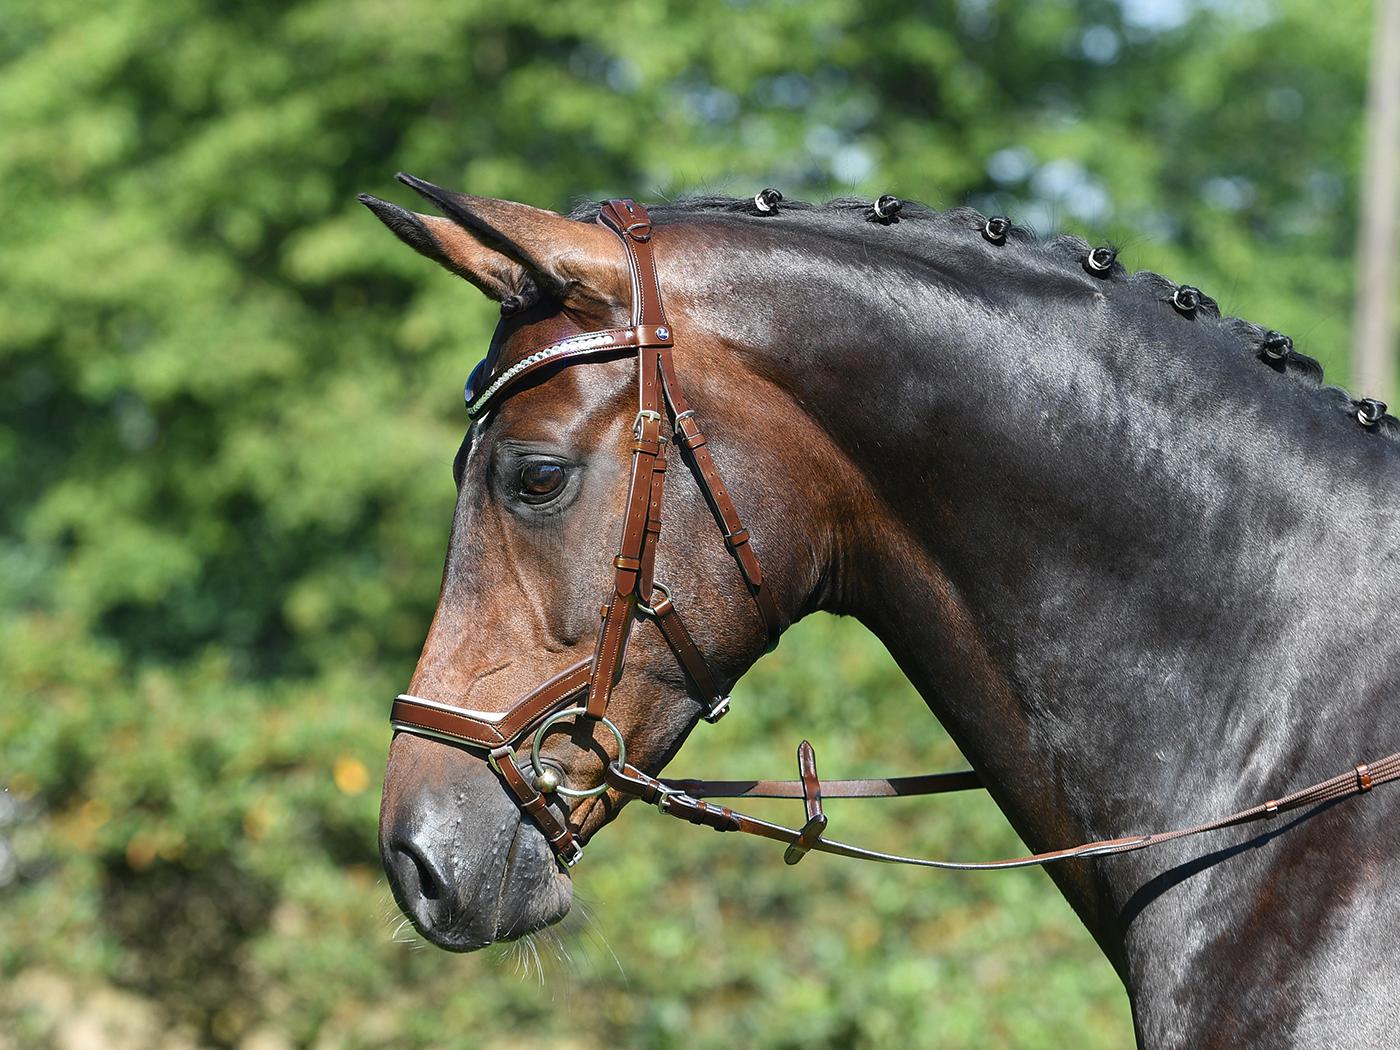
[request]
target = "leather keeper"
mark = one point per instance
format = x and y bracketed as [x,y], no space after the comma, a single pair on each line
[689,434]
[734,540]
[704,814]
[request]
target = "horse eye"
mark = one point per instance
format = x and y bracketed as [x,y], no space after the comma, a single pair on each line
[540,480]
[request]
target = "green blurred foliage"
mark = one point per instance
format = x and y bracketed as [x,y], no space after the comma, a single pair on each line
[230,402]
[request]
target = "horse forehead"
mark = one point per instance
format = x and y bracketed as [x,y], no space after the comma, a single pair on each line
[518,337]
[575,406]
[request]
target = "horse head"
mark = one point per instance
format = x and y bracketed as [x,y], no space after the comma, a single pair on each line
[546,477]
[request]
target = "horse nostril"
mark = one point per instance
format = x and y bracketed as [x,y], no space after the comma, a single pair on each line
[417,878]
[428,882]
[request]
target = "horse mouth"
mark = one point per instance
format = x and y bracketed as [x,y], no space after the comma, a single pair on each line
[472,897]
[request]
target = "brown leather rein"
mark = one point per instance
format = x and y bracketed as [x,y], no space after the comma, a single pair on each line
[584,690]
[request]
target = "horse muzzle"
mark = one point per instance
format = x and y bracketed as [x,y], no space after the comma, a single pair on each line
[463,865]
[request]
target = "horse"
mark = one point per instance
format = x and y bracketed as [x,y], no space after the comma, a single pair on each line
[1138,560]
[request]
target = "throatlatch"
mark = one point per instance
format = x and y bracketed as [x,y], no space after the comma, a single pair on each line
[584,690]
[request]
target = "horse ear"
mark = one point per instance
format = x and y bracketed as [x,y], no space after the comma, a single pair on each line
[446,243]
[567,259]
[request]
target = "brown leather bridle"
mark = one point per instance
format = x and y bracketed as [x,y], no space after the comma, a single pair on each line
[584,690]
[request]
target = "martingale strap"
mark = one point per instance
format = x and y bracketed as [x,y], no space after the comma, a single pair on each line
[585,689]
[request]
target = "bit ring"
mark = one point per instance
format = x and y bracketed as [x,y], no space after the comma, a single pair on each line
[572,712]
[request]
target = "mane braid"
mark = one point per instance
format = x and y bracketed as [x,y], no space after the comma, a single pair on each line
[1063,248]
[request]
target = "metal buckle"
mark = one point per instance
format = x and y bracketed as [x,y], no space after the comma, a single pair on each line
[717,712]
[645,413]
[647,610]
[665,795]
[574,857]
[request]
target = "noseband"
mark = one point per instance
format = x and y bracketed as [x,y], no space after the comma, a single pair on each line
[583,690]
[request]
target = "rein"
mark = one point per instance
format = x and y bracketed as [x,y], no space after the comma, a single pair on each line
[584,690]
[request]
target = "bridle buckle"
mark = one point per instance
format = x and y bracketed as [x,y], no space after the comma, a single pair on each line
[644,414]
[663,796]
[573,856]
[717,712]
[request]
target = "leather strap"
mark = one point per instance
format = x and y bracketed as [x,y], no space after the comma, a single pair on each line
[736,537]
[673,800]
[583,346]
[633,554]
[703,684]
[884,787]
[556,831]
[630,221]
[652,527]
[636,555]
[816,823]
[415,714]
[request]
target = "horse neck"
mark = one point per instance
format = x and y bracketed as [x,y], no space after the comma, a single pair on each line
[1109,539]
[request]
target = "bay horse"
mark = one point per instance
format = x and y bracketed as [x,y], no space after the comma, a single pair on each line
[1138,561]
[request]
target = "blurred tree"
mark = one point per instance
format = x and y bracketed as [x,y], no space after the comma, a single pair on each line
[230,402]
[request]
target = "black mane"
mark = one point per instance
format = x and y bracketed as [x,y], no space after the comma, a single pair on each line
[854,214]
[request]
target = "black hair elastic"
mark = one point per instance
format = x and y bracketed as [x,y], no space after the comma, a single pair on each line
[1276,346]
[1099,261]
[1186,299]
[1369,411]
[996,228]
[886,209]
[766,201]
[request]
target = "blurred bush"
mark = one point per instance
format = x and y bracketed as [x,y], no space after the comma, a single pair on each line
[230,402]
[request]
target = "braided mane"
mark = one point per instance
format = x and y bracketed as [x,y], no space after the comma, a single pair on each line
[1062,249]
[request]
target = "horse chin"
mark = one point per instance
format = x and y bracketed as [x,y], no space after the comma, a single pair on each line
[526,892]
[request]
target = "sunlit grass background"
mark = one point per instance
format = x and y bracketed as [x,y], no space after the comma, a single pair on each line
[230,403]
